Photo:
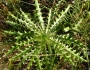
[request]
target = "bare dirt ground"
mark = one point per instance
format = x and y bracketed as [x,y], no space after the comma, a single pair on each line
[3,61]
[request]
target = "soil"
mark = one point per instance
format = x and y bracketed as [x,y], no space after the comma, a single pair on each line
[3,60]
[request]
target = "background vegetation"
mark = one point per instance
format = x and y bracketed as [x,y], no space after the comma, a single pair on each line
[45,35]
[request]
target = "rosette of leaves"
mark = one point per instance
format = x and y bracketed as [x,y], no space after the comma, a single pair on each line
[36,43]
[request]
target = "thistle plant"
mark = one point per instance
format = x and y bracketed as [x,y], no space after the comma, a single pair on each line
[37,44]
